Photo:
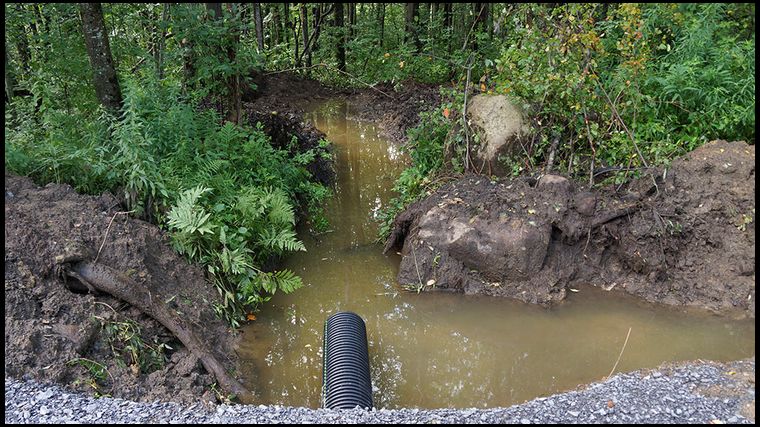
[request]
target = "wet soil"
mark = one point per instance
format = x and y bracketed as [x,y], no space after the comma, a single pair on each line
[681,236]
[50,330]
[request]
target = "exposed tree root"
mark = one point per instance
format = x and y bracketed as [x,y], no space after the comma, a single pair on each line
[108,280]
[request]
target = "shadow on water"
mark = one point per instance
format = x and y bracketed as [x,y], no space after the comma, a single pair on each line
[438,350]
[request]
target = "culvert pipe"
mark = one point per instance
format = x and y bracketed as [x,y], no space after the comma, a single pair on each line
[346,381]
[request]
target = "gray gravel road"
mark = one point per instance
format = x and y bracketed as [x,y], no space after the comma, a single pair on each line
[703,392]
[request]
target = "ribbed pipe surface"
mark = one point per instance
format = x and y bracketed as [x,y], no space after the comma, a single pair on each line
[346,382]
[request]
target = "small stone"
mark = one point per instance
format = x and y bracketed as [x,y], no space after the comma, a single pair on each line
[44,410]
[574,413]
[45,395]
[524,421]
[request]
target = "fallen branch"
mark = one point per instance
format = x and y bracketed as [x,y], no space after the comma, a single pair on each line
[108,280]
[107,230]
[614,214]
[621,352]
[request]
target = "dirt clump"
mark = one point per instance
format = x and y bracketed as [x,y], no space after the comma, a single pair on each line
[684,235]
[95,342]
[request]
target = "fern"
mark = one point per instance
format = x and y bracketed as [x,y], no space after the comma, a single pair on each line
[280,210]
[285,280]
[281,240]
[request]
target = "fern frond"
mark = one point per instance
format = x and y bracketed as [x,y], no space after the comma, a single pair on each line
[285,280]
[186,216]
[282,240]
[280,210]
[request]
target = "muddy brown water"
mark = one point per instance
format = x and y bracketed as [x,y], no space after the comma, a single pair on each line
[437,350]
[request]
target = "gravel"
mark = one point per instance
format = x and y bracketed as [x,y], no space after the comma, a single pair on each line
[699,392]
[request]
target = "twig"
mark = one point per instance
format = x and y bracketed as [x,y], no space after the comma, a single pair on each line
[107,230]
[464,116]
[419,278]
[620,119]
[621,352]
[112,309]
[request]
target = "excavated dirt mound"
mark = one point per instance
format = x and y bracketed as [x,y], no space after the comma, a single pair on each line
[681,236]
[51,332]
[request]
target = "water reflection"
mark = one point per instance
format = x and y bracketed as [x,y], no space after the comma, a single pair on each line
[443,350]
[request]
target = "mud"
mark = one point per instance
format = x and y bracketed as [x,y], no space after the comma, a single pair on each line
[680,236]
[48,328]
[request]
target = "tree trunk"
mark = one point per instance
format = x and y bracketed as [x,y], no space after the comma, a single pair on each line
[351,19]
[286,22]
[276,24]
[235,114]
[22,45]
[259,24]
[316,11]
[216,8]
[9,81]
[411,20]
[99,51]
[381,22]
[447,15]
[305,33]
[233,100]
[161,41]
[341,43]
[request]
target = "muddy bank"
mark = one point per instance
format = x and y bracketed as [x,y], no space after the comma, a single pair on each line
[53,331]
[680,236]
[395,111]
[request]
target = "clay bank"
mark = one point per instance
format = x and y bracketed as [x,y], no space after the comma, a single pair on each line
[682,235]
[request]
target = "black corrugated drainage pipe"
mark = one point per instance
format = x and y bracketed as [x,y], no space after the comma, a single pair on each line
[345,374]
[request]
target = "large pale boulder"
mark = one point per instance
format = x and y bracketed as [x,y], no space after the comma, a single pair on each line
[500,124]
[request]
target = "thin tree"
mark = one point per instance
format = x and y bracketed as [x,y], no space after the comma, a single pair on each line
[9,80]
[96,40]
[381,23]
[316,12]
[305,33]
[161,34]
[259,24]
[351,19]
[233,100]
[411,19]
[341,43]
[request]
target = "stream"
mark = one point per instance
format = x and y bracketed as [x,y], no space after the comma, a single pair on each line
[444,350]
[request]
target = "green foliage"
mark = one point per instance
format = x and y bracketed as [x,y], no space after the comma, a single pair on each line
[127,344]
[677,75]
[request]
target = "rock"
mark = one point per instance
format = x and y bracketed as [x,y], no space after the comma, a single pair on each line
[500,124]
[555,181]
